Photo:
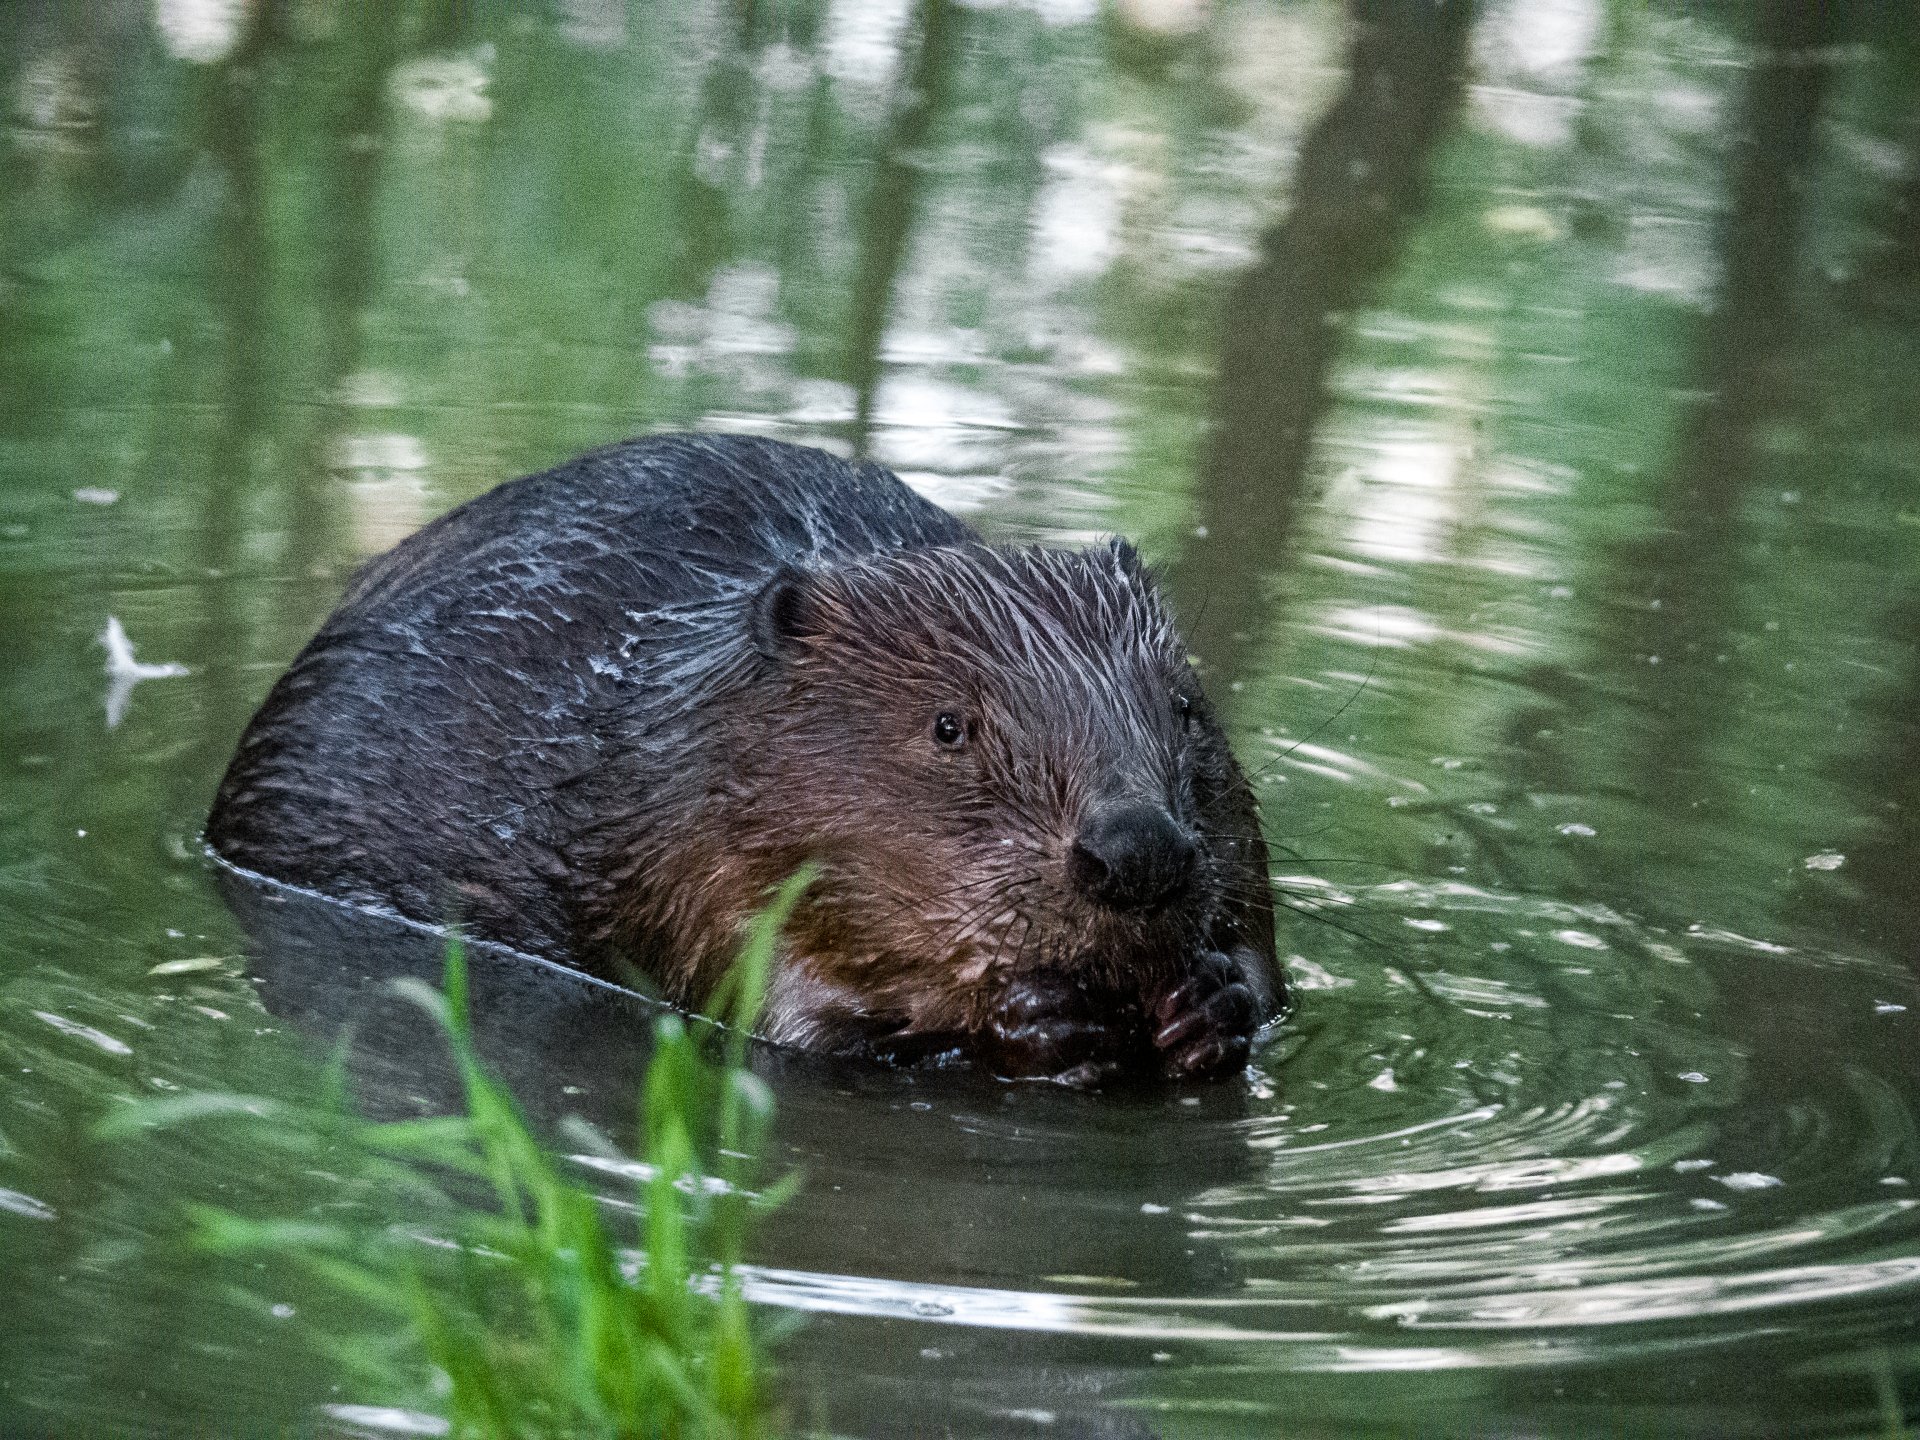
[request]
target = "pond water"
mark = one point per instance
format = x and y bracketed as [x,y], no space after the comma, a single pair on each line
[1523,404]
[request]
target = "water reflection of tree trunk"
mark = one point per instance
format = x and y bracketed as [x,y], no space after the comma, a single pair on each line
[238,273]
[704,201]
[1683,580]
[1882,867]
[1873,895]
[352,162]
[1889,276]
[1361,179]
[893,201]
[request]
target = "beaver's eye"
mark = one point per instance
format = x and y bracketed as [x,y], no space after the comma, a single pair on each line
[948,729]
[1183,708]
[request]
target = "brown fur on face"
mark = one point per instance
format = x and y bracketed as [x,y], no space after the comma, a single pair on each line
[945,866]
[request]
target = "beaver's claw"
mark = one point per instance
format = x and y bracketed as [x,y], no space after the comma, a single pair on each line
[1205,1024]
[1046,1025]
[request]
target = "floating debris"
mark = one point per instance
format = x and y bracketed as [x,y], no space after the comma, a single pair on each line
[124,672]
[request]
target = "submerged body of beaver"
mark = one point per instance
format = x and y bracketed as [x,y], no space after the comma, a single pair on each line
[596,713]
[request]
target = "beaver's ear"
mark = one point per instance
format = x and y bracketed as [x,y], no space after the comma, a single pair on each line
[1128,557]
[783,611]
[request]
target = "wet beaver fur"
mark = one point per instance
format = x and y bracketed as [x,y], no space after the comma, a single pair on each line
[595,713]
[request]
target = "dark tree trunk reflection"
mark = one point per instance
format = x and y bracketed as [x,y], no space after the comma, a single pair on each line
[1361,180]
[1684,588]
[1879,899]
[1876,895]
[238,273]
[705,203]
[357,126]
[893,199]
[1754,314]
[1681,585]
[1889,274]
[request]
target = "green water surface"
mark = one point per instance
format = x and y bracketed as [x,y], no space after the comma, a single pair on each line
[1522,402]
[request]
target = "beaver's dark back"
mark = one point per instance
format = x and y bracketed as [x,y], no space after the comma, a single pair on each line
[434,748]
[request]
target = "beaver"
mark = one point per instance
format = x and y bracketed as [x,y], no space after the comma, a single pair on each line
[595,713]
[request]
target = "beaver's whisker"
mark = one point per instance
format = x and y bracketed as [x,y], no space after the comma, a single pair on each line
[927,903]
[970,920]
[1308,912]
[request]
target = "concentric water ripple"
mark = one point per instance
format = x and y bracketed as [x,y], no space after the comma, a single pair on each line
[1498,1181]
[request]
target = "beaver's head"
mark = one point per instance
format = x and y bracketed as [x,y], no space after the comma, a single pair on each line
[1002,760]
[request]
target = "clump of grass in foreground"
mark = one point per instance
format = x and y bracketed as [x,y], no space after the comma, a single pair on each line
[538,1321]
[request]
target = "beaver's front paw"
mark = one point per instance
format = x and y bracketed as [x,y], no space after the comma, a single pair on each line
[1204,1025]
[1049,1025]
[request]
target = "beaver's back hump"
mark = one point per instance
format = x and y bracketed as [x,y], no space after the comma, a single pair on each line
[657,521]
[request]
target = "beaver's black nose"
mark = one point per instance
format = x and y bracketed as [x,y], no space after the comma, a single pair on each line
[1132,857]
